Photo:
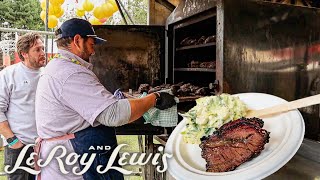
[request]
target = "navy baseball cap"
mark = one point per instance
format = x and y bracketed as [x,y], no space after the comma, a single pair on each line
[75,26]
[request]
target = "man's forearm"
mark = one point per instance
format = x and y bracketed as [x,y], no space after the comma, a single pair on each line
[125,111]
[140,106]
[5,129]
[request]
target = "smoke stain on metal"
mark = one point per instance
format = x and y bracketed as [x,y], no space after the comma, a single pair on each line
[131,56]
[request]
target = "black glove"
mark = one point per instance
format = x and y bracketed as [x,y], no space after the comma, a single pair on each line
[164,100]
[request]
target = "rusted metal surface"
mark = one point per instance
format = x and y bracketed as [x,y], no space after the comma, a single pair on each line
[273,48]
[133,55]
[188,8]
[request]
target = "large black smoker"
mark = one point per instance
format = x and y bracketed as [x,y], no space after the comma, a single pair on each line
[255,47]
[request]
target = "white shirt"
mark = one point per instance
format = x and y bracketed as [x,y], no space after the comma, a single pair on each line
[69,98]
[18,85]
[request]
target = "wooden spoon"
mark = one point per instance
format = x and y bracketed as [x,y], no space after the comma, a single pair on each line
[304,102]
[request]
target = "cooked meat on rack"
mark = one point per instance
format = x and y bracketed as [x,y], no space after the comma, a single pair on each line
[180,89]
[201,40]
[174,89]
[185,41]
[155,89]
[233,144]
[185,86]
[144,88]
[209,64]
[194,64]
[204,91]
[183,91]
[210,39]
[194,88]
[188,41]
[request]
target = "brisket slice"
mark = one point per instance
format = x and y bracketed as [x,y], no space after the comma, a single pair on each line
[233,144]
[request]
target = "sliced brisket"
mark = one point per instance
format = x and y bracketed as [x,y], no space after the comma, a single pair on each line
[233,144]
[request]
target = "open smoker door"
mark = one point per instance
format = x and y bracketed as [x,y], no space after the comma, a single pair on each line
[132,55]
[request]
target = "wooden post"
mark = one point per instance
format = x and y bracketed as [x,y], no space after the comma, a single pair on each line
[151,12]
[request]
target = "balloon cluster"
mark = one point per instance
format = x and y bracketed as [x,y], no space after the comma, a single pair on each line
[55,12]
[100,13]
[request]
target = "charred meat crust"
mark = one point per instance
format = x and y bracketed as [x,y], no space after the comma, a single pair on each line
[233,144]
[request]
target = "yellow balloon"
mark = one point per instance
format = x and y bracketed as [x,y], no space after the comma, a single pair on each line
[51,10]
[43,15]
[60,14]
[94,21]
[98,12]
[80,12]
[52,21]
[114,8]
[43,4]
[56,2]
[54,10]
[107,9]
[87,5]
[113,2]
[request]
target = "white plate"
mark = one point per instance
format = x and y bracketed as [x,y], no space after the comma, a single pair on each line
[287,132]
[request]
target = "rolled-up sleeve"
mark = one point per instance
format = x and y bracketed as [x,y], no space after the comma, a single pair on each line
[83,93]
[117,114]
[4,96]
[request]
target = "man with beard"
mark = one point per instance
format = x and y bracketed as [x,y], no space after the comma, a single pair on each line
[18,85]
[74,110]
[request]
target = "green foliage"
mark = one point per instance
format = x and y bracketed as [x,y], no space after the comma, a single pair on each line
[137,10]
[21,14]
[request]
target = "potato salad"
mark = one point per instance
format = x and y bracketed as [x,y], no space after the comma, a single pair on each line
[209,114]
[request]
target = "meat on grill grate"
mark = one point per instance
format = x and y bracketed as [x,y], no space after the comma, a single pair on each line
[233,144]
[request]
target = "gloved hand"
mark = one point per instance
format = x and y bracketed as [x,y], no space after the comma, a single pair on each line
[164,100]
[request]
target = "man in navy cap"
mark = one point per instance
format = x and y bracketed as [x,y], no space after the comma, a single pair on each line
[73,109]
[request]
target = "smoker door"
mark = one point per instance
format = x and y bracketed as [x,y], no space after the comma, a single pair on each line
[132,55]
[272,48]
